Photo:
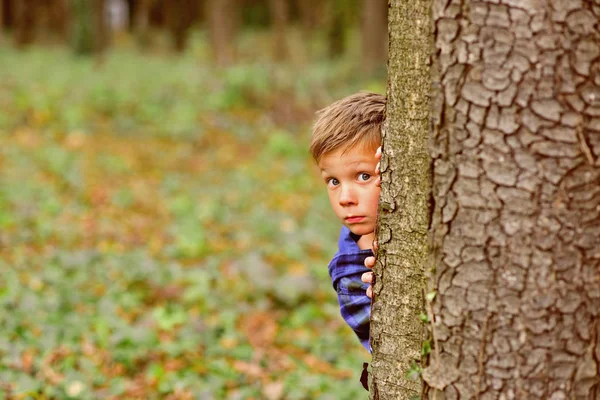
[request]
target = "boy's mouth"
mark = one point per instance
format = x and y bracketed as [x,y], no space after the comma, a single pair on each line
[354,220]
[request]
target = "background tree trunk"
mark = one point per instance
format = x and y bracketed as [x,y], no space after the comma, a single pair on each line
[82,32]
[43,24]
[396,331]
[516,143]
[25,23]
[223,21]
[89,29]
[101,30]
[309,11]
[181,15]
[2,23]
[59,19]
[279,10]
[141,22]
[311,14]
[374,34]
[336,29]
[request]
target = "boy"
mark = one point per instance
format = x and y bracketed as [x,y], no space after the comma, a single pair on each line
[346,146]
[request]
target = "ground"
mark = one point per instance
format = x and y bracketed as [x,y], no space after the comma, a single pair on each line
[163,231]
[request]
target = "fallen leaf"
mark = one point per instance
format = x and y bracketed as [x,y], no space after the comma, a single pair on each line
[273,390]
[251,370]
[260,328]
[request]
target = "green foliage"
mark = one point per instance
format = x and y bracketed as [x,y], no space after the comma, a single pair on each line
[165,232]
[426,348]
[430,296]
[414,372]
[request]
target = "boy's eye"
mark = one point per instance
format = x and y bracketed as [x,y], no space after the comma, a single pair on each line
[332,182]
[363,176]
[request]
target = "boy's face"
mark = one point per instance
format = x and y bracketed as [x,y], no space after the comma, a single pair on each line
[351,185]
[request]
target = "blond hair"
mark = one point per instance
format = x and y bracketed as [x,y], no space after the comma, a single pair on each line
[347,122]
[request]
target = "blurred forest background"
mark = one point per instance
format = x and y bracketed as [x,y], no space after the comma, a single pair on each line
[163,231]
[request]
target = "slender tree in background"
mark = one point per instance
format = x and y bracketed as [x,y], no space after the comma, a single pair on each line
[374,34]
[180,16]
[141,21]
[2,22]
[81,31]
[312,17]
[279,11]
[101,35]
[8,18]
[515,227]
[59,19]
[35,21]
[89,34]
[43,18]
[25,22]
[336,28]
[310,12]
[223,22]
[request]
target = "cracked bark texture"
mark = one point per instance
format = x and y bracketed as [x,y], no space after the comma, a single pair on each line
[516,188]
[396,332]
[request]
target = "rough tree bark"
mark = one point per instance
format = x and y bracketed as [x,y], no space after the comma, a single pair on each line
[396,332]
[516,191]
[516,187]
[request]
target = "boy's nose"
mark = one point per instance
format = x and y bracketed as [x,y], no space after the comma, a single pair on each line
[347,196]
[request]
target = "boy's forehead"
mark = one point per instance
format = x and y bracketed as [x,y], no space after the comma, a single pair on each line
[348,156]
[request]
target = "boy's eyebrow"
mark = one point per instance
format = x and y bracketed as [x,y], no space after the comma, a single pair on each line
[359,162]
[351,164]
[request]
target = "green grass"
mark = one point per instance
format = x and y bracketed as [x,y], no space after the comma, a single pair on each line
[163,230]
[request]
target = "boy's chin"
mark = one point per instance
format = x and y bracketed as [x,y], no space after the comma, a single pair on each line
[361,230]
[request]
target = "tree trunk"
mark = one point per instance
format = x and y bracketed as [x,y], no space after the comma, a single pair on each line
[374,34]
[181,15]
[25,23]
[516,223]
[59,19]
[312,14]
[101,29]
[141,22]
[336,29]
[2,23]
[89,29]
[396,331]
[8,15]
[223,20]
[43,29]
[309,14]
[279,10]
